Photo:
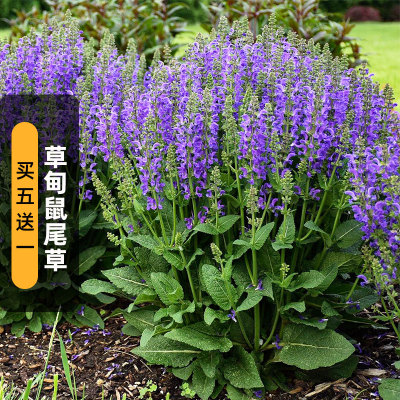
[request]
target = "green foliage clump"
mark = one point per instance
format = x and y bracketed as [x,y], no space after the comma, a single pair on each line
[229,183]
[305,17]
[152,24]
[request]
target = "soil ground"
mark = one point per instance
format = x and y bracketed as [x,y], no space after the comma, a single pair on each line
[102,361]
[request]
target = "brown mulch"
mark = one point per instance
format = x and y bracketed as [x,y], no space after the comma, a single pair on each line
[102,361]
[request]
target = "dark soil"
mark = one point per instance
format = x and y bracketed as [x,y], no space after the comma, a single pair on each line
[102,361]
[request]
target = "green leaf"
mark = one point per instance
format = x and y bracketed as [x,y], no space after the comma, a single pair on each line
[345,262]
[130,330]
[278,245]
[267,287]
[344,369]
[4,208]
[90,317]
[328,310]
[243,245]
[307,280]
[241,371]
[185,372]
[101,223]
[241,277]
[207,228]
[146,241]
[209,362]
[127,279]
[210,315]
[185,308]
[389,389]
[287,281]
[147,296]
[262,235]
[330,275]
[228,269]
[150,262]
[86,219]
[198,252]
[140,319]
[253,297]
[174,259]
[89,257]
[269,260]
[163,351]
[167,288]
[202,384]
[233,200]
[242,242]
[313,226]
[138,206]
[176,311]
[315,322]
[287,231]
[35,324]
[65,364]
[348,233]
[201,336]
[216,287]
[147,334]
[310,348]
[104,298]
[299,306]
[235,394]
[96,286]
[226,222]
[18,328]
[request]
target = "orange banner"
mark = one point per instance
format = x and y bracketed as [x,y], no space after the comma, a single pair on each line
[24,205]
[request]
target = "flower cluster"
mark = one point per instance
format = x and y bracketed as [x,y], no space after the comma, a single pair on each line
[269,110]
[375,197]
[271,147]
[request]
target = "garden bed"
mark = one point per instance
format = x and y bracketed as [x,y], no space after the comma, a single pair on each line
[102,362]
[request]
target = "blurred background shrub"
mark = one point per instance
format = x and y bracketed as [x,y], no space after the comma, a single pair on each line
[389,10]
[305,17]
[8,7]
[154,23]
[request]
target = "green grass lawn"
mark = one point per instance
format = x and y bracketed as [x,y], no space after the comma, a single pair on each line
[4,33]
[185,38]
[380,46]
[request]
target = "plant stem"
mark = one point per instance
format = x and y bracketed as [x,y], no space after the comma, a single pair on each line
[189,274]
[240,196]
[355,284]
[391,319]
[321,207]
[257,322]
[275,323]
[241,326]
[240,322]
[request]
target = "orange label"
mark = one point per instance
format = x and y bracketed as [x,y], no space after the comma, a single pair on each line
[24,205]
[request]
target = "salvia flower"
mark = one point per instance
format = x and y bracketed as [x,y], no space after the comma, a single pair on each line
[232,315]
[277,341]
